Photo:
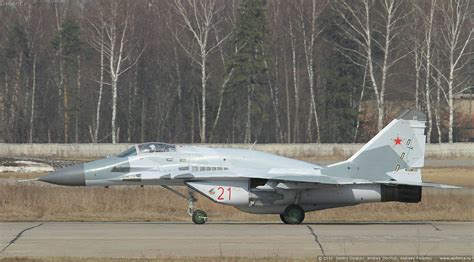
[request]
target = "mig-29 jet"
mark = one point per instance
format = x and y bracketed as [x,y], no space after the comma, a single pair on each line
[387,168]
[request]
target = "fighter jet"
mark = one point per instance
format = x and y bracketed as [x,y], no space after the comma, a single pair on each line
[387,168]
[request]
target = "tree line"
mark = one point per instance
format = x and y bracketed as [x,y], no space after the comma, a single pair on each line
[234,71]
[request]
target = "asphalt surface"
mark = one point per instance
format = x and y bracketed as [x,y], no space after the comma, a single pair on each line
[108,239]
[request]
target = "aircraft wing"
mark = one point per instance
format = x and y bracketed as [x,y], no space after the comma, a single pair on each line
[289,175]
[283,175]
[309,176]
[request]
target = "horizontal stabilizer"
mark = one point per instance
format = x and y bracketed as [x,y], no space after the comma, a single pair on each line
[422,184]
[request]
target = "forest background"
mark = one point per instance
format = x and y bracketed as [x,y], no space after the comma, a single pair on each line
[232,71]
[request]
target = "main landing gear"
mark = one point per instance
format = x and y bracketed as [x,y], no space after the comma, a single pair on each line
[293,214]
[198,216]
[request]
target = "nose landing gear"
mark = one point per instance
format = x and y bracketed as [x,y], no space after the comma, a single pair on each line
[293,214]
[198,216]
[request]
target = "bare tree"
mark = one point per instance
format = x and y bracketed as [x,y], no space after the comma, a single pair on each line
[111,38]
[311,30]
[437,108]
[427,17]
[296,129]
[457,31]
[60,12]
[101,86]
[225,81]
[33,96]
[199,19]
[416,41]
[359,27]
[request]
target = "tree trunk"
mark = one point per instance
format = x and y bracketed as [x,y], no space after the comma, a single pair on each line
[309,138]
[78,96]
[288,115]
[143,121]
[66,113]
[4,125]
[296,129]
[179,119]
[359,105]
[203,96]
[248,124]
[192,119]
[274,98]
[388,31]
[32,108]
[14,109]
[221,100]
[101,87]
[114,109]
[417,78]
[428,76]
[450,102]
[132,94]
[438,108]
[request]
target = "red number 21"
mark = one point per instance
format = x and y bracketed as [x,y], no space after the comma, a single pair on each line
[222,191]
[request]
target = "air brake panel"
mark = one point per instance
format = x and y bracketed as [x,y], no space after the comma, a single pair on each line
[225,192]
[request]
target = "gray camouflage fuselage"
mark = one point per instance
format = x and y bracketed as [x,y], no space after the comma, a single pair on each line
[387,168]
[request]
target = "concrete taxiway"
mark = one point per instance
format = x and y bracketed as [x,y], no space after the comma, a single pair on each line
[85,239]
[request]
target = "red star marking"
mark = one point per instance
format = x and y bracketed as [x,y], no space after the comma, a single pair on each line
[397,141]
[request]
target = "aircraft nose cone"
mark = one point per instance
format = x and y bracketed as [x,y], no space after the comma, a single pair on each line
[68,176]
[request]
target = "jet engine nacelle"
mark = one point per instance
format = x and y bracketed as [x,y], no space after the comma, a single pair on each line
[230,192]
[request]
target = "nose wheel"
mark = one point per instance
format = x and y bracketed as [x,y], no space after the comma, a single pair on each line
[293,214]
[198,216]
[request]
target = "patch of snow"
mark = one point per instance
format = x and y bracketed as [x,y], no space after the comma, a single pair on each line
[24,166]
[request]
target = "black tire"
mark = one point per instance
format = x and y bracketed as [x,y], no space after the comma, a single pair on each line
[293,214]
[282,217]
[199,217]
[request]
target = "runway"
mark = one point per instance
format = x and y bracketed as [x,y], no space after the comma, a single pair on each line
[108,239]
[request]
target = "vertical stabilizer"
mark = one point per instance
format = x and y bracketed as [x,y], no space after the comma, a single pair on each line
[396,153]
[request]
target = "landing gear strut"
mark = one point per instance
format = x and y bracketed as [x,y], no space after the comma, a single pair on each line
[198,216]
[293,214]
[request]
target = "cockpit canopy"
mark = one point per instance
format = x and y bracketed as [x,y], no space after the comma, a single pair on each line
[146,148]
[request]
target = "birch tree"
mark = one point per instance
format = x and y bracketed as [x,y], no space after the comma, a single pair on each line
[311,30]
[32,105]
[111,37]
[359,27]
[457,31]
[99,42]
[198,17]
[296,129]
[427,18]
[416,41]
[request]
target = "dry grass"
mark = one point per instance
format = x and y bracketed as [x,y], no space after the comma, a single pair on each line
[452,176]
[38,201]
[12,175]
